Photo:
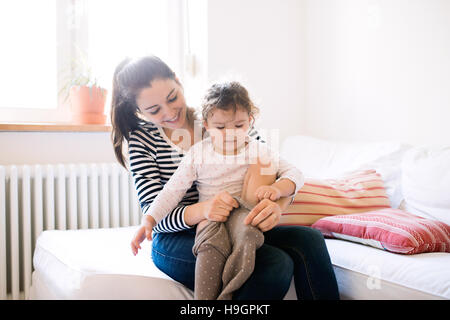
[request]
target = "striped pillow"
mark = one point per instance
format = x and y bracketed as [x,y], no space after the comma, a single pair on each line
[359,191]
[393,230]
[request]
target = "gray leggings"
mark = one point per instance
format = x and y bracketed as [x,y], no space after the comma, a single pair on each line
[225,255]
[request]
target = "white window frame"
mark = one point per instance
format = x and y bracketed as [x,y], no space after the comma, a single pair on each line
[67,37]
[63,38]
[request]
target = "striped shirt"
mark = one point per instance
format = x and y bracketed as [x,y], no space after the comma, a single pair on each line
[153,158]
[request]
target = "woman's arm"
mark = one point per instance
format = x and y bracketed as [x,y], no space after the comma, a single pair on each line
[172,193]
[146,176]
[174,190]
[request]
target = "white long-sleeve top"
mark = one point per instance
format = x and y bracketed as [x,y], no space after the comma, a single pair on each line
[215,172]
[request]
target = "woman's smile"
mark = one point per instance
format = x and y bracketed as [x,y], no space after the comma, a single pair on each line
[174,120]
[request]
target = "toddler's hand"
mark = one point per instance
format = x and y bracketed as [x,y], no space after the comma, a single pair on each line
[144,231]
[268,192]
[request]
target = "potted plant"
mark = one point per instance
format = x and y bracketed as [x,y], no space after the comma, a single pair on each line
[86,97]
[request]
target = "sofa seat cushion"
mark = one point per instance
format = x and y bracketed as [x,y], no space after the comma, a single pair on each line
[378,274]
[98,264]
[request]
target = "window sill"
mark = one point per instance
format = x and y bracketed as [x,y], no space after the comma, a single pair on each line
[54,127]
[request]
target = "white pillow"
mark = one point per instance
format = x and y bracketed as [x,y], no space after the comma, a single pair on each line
[426,182]
[322,159]
[389,166]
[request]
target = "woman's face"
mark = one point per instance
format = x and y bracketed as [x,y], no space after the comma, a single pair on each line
[163,103]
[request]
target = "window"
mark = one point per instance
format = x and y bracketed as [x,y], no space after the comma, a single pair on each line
[40,40]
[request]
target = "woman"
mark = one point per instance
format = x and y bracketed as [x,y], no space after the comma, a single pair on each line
[149,112]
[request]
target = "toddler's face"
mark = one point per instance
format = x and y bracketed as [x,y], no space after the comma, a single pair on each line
[228,129]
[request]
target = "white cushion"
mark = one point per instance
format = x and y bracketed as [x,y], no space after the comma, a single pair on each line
[388,275]
[98,264]
[426,182]
[318,158]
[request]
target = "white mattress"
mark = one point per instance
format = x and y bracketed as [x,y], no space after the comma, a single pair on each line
[98,264]
[364,272]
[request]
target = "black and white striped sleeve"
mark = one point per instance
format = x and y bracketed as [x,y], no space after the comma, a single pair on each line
[147,181]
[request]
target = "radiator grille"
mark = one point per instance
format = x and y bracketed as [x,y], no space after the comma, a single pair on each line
[63,196]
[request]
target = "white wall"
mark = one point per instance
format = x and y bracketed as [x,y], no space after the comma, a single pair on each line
[261,43]
[378,70]
[55,147]
[344,70]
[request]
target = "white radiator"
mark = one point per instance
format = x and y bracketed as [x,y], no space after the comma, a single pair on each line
[44,197]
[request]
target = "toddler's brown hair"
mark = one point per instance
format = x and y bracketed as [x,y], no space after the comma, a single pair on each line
[227,96]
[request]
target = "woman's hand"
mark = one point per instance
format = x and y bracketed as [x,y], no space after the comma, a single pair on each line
[144,231]
[219,208]
[265,215]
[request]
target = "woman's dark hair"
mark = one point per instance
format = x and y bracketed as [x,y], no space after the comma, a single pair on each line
[131,76]
[227,96]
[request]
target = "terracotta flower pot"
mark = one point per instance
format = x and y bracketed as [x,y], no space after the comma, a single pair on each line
[88,104]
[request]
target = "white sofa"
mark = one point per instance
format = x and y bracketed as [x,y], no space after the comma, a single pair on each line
[98,264]
[417,179]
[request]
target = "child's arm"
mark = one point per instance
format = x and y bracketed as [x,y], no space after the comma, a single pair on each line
[174,190]
[289,182]
[279,189]
[172,193]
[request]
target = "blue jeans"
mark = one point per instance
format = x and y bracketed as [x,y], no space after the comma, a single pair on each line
[287,251]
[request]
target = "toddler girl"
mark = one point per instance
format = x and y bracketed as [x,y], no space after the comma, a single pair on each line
[230,161]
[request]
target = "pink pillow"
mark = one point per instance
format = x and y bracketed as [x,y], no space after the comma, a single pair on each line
[389,229]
